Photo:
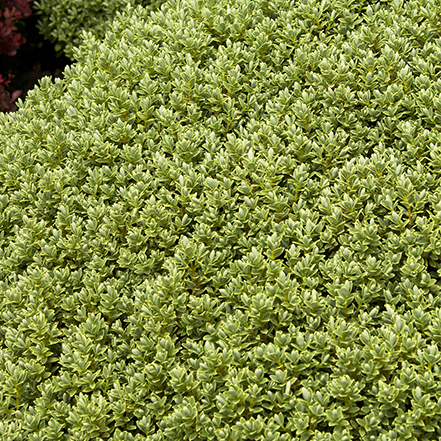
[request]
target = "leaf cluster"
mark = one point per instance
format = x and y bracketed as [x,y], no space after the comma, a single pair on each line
[66,23]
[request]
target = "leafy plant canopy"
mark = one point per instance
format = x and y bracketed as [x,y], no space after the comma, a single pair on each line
[223,223]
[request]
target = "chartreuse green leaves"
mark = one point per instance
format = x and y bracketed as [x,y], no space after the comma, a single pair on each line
[223,223]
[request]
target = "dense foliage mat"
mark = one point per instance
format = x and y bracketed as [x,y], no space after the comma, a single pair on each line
[223,223]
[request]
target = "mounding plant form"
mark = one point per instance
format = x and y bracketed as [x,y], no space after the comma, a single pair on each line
[223,223]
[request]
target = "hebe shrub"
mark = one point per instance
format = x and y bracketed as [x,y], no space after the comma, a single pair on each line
[63,22]
[223,223]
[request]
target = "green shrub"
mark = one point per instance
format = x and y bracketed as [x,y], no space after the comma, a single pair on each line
[63,22]
[223,223]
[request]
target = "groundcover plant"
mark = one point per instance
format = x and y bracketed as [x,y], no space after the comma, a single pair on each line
[223,223]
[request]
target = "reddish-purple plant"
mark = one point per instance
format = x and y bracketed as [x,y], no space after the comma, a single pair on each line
[10,12]
[6,99]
